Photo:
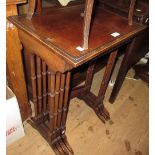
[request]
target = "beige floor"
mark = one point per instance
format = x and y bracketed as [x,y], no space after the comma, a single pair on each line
[125,134]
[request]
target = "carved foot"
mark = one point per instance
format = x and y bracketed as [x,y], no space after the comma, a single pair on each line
[96,104]
[61,146]
[57,149]
[64,139]
[102,113]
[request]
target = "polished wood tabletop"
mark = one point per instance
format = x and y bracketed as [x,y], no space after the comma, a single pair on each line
[60,29]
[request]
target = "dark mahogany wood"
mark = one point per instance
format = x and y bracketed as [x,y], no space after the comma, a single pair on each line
[52,125]
[39,6]
[87,16]
[99,41]
[138,48]
[84,93]
[141,46]
[122,71]
[52,38]
[121,7]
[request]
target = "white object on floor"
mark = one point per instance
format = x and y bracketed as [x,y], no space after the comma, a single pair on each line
[14,126]
[111,83]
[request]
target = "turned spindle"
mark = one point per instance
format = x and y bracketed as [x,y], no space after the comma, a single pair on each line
[33,82]
[39,84]
[44,81]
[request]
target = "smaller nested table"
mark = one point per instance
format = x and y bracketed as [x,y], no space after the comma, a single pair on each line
[54,39]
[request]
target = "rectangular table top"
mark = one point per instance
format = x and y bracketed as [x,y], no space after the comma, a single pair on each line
[61,29]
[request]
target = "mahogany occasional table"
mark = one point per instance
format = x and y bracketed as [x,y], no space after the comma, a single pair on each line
[57,44]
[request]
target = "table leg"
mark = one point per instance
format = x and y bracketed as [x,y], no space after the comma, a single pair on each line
[50,112]
[59,141]
[84,93]
[60,108]
[122,71]
[65,111]
[56,139]
[100,109]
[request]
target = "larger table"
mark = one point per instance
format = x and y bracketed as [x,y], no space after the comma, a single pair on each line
[54,40]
